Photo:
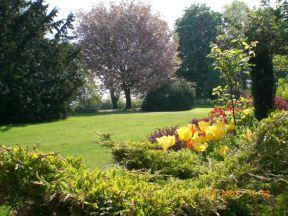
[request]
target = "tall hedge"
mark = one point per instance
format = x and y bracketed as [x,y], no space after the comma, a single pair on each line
[267,26]
[178,94]
[39,68]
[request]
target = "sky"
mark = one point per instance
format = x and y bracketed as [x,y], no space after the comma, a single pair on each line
[170,10]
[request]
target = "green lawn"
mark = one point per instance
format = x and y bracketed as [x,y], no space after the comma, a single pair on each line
[76,136]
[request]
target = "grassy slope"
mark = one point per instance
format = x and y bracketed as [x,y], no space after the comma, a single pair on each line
[76,136]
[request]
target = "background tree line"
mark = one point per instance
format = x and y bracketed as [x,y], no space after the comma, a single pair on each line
[267,25]
[131,52]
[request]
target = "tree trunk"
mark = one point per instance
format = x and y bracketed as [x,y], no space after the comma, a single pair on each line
[263,84]
[114,99]
[127,97]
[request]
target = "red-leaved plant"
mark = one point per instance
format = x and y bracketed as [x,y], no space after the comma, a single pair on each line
[280,103]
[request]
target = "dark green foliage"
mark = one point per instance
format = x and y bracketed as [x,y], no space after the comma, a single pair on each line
[196,30]
[269,27]
[263,84]
[175,95]
[40,73]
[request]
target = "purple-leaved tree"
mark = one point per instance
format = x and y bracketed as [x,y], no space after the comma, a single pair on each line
[127,47]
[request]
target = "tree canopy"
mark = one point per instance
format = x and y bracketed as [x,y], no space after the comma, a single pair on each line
[39,72]
[127,47]
[235,19]
[196,30]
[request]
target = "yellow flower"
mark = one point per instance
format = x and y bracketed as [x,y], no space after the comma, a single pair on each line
[203,125]
[200,147]
[199,143]
[211,133]
[223,150]
[216,131]
[248,134]
[230,126]
[184,133]
[247,111]
[198,138]
[166,142]
[221,130]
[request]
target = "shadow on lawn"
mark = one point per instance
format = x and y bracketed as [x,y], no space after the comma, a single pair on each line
[7,127]
[4,127]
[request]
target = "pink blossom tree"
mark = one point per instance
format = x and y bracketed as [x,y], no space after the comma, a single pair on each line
[128,47]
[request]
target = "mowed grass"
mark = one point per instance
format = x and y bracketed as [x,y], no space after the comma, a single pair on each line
[77,135]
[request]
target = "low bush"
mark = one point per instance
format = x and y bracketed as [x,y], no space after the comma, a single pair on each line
[272,144]
[106,104]
[145,157]
[87,109]
[37,184]
[176,95]
[282,88]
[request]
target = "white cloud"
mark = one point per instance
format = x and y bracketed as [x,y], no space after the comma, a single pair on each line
[169,9]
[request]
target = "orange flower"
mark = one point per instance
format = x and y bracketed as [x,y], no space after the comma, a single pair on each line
[189,144]
[193,128]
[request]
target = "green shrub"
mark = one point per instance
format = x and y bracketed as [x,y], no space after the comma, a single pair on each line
[32,183]
[272,143]
[176,95]
[36,184]
[282,88]
[181,164]
[106,104]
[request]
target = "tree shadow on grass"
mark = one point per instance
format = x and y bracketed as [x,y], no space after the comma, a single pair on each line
[4,127]
[7,127]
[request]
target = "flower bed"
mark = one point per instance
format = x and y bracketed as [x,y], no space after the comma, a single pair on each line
[202,135]
[244,183]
